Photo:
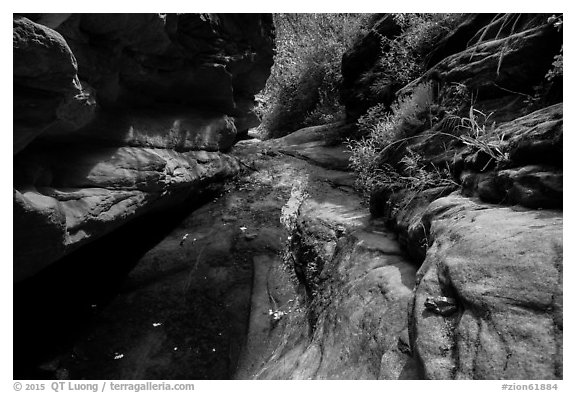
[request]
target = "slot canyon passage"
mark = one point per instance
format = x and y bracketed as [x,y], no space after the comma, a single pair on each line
[160,233]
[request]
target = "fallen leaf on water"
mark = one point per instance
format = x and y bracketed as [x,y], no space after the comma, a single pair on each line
[183,239]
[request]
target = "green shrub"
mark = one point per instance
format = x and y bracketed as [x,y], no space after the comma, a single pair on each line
[385,130]
[371,119]
[303,88]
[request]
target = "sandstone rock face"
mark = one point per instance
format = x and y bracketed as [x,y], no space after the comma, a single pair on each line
[503,266]
[519,159]
[495,56]
[120,114]
[464,289]
[213,61]
[42,58]
[47,92]
[531,186]
[176,129]
[537,137]
[459,39]
[533,175]
[493,67]
[499,59]
[487,301]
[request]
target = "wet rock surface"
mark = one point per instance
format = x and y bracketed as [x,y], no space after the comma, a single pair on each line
[96,190]
[347,319]
[201,303]
[216,298]
[286,276]
[355,315]
[181,309]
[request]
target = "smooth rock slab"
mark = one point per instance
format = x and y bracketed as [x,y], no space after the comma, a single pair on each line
[356,287]
[503,266]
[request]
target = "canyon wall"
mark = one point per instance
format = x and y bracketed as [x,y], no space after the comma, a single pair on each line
[481,297]
[119,114]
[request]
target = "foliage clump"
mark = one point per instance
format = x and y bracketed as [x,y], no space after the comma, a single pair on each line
[385,130]
[481,136]
[303,88]
[557,68]
[404,57]
[409,115]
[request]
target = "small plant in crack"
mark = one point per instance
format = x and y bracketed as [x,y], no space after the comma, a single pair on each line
[288,219]
[415,174]
[382,130]
[288,261]
[483,138]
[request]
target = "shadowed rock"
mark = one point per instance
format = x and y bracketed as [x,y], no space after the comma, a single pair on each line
[120,114]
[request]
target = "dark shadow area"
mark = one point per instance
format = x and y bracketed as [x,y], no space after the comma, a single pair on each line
[55,307]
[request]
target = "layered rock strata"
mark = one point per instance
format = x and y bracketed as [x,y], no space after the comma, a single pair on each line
[118,114]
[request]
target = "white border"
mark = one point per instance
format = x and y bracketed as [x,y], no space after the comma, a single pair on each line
[6,383]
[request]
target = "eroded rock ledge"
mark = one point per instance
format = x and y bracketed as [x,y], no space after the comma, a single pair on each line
[503,267]
[486,302]
[119,114]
